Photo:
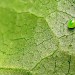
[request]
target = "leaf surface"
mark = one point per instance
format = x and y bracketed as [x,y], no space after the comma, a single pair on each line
[34,38]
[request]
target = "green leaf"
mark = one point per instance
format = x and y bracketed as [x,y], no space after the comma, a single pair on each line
[35,39]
